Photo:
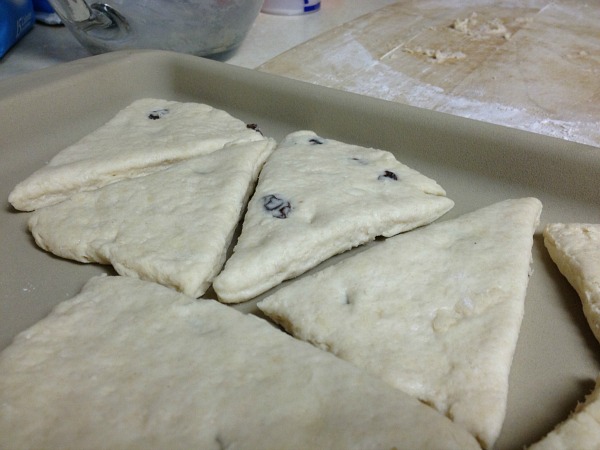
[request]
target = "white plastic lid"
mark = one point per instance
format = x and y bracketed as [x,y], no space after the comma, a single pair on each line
[290,7]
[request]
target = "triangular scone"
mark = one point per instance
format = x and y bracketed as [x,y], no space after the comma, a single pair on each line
[143,137]
[580,431]
[131,364]
[173,226]
[435,312]
[575,249]
[316,198]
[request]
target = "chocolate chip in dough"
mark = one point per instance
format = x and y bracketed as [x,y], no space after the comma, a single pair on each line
[389,175]
[157,114]
[254,126]
[277,206]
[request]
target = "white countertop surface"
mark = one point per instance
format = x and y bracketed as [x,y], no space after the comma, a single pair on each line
[532,65]
[270,36]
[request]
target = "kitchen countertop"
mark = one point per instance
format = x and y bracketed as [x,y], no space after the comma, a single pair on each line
[270,36]
[532,65]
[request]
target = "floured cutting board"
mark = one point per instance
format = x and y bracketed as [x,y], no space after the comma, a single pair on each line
[533,65]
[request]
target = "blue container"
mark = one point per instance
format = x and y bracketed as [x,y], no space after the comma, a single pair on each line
[16,19]
[44,12]
[42,6]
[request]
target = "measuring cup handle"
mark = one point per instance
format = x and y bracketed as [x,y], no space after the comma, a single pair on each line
[99,17]
[76,11]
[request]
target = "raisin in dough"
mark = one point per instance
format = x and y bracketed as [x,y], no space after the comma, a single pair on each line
[143,137]
[435,312]
[173,226]
[575,249]
[131,364]
[316,198]
[580,431]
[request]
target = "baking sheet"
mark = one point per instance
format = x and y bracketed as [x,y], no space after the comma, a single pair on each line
[557,357]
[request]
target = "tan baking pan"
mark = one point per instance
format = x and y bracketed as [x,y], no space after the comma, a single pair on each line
[557,357]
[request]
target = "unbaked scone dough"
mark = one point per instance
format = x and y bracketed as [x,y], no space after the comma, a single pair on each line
[129,364]
[435,312]
[575,249]
[146,136]
[581,431]
[316,198]
[173,226]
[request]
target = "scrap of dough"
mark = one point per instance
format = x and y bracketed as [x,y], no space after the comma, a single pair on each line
[580,431]
[143,137]
[435,312]
[473,27]
[173,227]
[131,364]
[316,198]
[439,56]
[575,249]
